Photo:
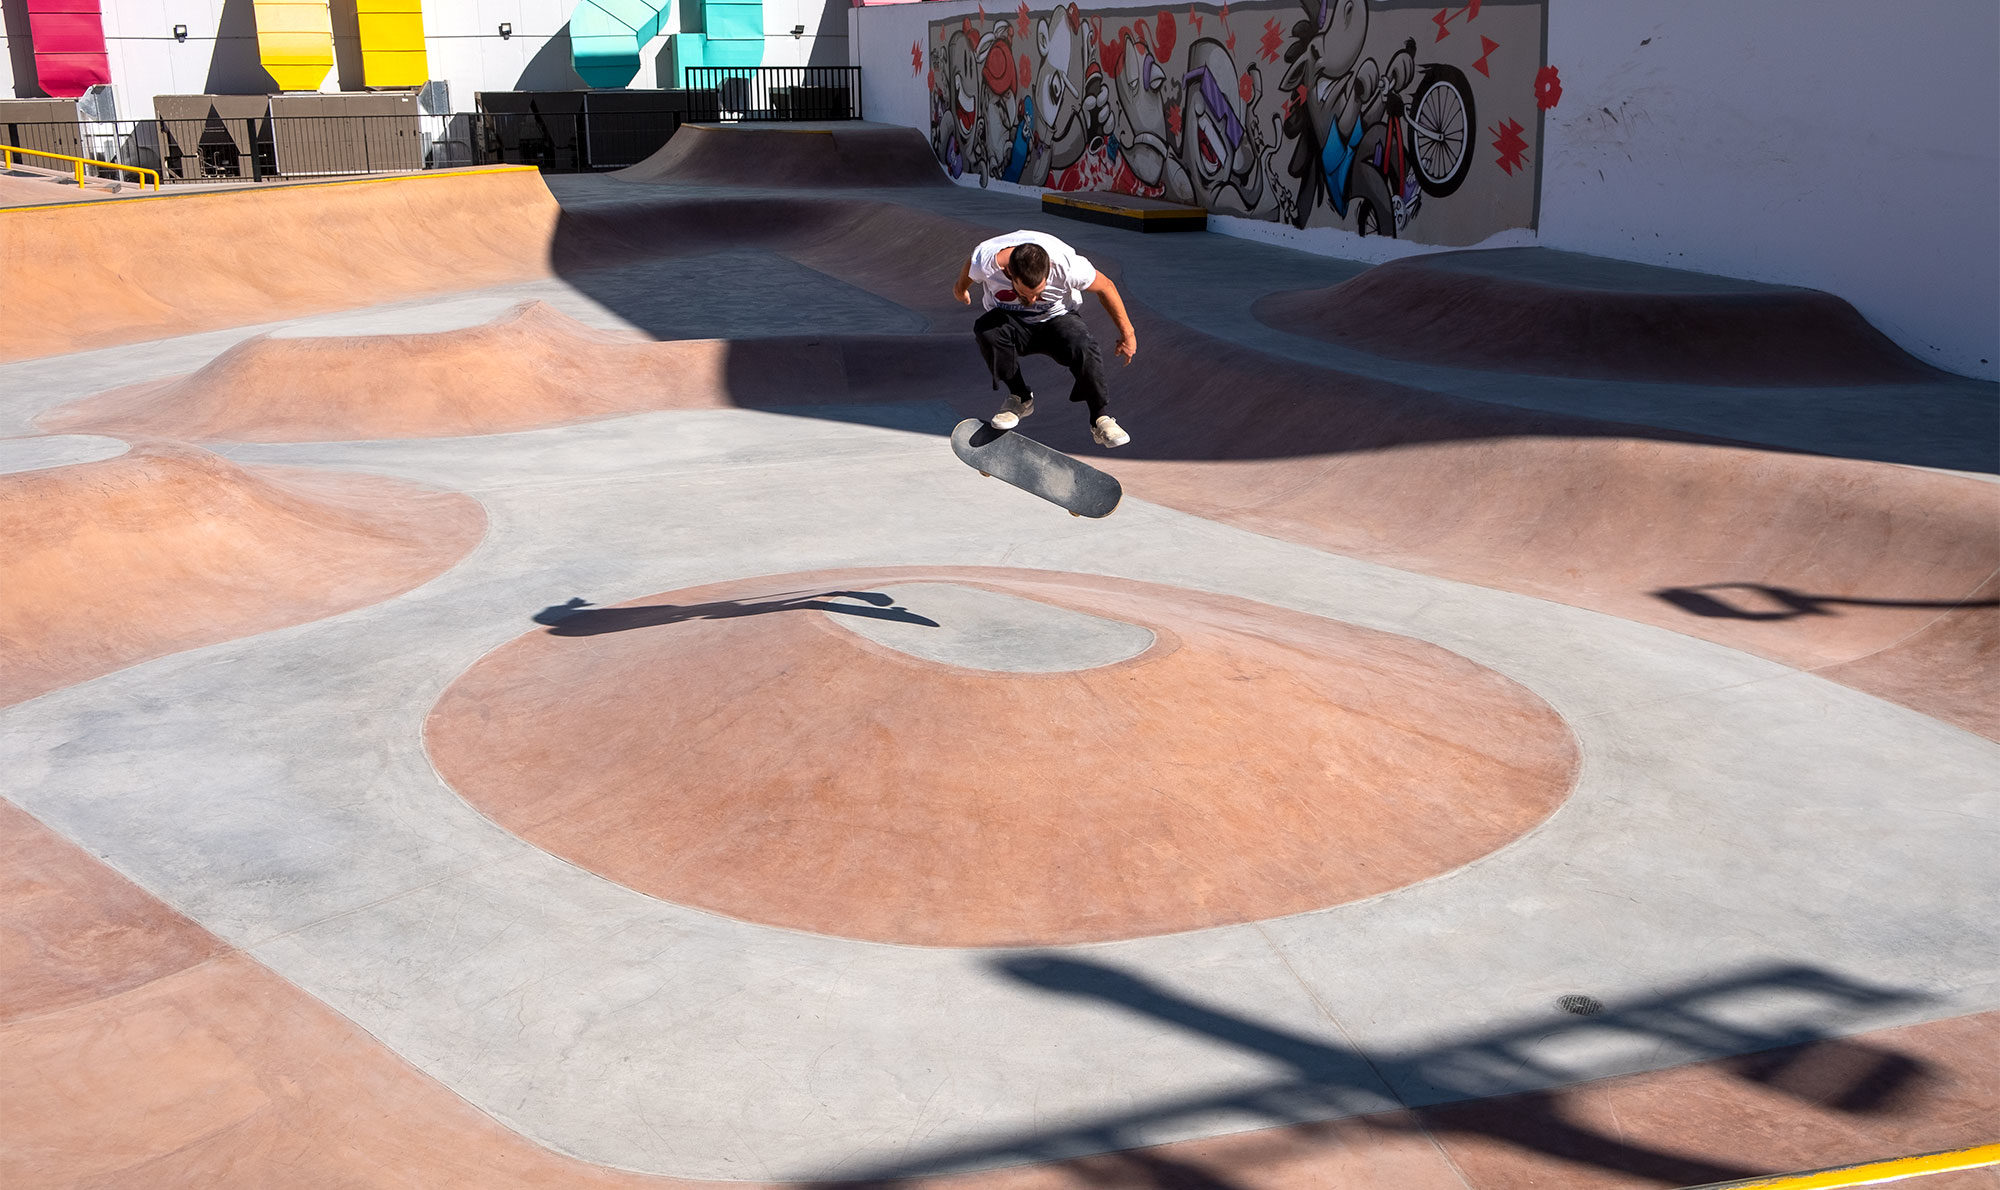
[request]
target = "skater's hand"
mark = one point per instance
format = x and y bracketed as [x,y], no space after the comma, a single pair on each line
[963,293]
[1128,346]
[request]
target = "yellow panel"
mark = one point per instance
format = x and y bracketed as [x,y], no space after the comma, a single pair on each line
[391,33]
[395,31]
[295,42]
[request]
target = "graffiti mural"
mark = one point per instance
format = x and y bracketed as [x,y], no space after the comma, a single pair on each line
[1384,117]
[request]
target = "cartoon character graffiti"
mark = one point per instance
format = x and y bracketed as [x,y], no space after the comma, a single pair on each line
[1062,102]
[954,104]
[1060,132]
[1141,98]
[1346,149]
[1003,127]
[1220,147]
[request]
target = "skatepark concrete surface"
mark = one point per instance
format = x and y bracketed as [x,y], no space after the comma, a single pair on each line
[504,683]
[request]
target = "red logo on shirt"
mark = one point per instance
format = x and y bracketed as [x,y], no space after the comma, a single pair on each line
[1005,295]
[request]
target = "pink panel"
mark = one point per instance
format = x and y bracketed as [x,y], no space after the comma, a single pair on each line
[68,36]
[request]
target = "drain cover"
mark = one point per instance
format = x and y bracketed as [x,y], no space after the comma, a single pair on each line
[1581,1005]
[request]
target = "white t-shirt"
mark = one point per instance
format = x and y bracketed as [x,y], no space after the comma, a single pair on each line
[1069,273]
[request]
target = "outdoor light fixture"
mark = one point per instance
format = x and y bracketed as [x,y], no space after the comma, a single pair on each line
[506,30]
[180,32]
[798,30]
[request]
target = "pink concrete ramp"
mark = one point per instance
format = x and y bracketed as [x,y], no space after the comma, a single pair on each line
[169,548]
[75,277]
[834,155]
[1443,309]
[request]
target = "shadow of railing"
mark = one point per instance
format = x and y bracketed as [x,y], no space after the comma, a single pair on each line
[1788,604]
[1486,1087]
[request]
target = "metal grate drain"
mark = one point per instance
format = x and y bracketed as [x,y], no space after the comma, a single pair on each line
[1577,1005]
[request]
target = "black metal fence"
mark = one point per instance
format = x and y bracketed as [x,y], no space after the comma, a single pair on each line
[598,131]
[782,92]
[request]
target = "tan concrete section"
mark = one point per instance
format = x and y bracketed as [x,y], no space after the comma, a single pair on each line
[823,155]
[1410,309]
[532,367]
[169,548]
[1950,667]
[113,272]
[73,931]
[1254,762]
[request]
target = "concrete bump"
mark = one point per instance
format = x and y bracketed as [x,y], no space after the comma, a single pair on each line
[991,630]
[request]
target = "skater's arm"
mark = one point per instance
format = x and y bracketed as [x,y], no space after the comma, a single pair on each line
[1114,305]
[963,289]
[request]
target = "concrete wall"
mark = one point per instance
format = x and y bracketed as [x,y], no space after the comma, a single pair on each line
[1845,146]
[1848,146]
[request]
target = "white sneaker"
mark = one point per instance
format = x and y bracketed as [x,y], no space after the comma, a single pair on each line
[1108,433]
[1012,410]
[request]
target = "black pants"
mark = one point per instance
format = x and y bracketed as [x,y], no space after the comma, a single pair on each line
[1004,337]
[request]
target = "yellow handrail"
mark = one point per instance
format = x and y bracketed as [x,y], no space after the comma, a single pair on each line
[1873,1173]
[7,157]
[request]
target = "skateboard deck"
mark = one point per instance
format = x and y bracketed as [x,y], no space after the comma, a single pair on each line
[1032,467]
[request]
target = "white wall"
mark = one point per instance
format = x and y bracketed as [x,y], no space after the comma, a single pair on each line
[1847,145]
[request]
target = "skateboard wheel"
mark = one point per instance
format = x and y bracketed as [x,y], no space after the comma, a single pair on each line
[1076,514]
[987,474]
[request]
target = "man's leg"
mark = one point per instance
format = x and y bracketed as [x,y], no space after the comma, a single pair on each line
[1067,340]
[1003,339]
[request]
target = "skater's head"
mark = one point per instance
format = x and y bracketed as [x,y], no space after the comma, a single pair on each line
[1028,268]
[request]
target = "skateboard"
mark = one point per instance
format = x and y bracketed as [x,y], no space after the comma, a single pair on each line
[1032,467]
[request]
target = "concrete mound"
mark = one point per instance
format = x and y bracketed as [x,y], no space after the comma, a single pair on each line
[1444,310]
[1340,747]
[858,155]
[532,367]
[168,548]
[76,277]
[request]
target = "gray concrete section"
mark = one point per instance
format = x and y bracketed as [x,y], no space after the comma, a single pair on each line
[1735,824]
[58,450]
[974,629]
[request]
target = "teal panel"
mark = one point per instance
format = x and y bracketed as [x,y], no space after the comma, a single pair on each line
[606,35]
[688,51]
[734,20]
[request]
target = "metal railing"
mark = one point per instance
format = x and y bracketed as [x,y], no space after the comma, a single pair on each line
[9,152]
[782,92]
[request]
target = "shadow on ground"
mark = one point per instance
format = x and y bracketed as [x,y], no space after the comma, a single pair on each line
[578,618]
[1469,1088]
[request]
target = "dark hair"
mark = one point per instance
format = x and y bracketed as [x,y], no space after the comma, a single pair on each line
[1028,264]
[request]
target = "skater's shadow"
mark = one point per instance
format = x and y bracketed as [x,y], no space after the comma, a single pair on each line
[578,618]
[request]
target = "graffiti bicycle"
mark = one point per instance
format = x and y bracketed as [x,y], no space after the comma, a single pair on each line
[1426,147]
[1375,137]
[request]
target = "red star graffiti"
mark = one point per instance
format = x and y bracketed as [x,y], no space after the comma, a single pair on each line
[1174,119]
[1194,18]
[1486,47]
[1446,16]
[1508,143]
[1548,88]
[1272,41]
[916,58]
[1024,19]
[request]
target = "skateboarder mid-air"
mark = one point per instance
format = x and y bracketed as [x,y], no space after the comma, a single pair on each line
[1033,285]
